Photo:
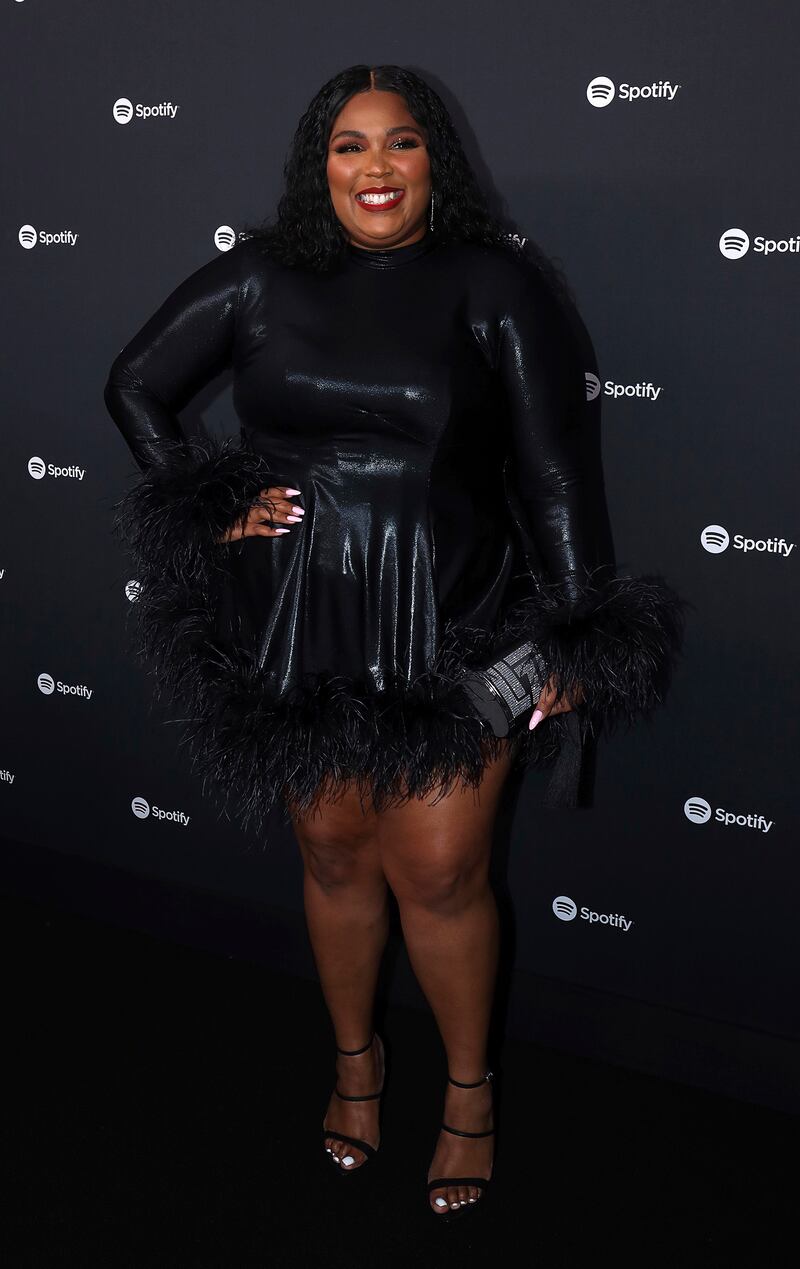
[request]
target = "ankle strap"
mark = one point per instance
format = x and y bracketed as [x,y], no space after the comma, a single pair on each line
[488,1077]
[355,1052]
[458,1132]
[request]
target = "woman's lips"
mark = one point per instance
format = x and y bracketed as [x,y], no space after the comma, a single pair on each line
[385,203]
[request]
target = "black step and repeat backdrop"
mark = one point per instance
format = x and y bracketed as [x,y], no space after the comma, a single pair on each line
[648,147]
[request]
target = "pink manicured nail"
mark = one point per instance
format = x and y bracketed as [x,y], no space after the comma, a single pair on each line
[291,493]
[300,511]
[283,530]
[536,719]
[294,519]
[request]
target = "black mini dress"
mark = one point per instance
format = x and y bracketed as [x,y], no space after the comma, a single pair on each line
[429,404]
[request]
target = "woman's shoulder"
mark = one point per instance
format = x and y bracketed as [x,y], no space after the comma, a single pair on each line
[251,252]
[245,254]
[246,267]
[230,266]
[497,272]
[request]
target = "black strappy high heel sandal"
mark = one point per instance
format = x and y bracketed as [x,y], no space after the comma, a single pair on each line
[443,1182]
[364,1146]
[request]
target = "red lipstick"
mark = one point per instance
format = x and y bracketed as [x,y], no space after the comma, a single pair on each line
[391,197]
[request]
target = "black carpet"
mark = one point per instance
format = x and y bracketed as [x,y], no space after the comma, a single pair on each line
[163,1108]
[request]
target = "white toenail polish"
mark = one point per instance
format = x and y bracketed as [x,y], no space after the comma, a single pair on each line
[329,1150]
[440,1202]
[473,1200]
[454,1204]
[348,1159]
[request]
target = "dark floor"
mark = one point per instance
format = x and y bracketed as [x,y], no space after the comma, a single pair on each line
[163,1109]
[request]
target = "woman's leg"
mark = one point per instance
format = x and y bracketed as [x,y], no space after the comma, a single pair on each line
[436,860]
[346,905]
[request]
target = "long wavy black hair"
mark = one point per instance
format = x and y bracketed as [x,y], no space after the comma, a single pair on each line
[306,231]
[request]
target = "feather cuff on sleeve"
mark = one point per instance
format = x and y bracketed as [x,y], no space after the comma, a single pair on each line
[181,507]
[619,642]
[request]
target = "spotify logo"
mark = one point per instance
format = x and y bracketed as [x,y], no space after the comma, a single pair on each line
[565,908]
[734,243]
[715,539]
[224,238]
[142,809]
[697,810]
[47,685]
[600,91]
[133,590]
[123,110]
[643,391]
[37,468]
[29,236]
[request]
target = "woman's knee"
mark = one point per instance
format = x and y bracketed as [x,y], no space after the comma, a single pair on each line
[439,880]
[338,845]
[334,861]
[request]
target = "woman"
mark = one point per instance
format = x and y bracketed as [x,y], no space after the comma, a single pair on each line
[406,495]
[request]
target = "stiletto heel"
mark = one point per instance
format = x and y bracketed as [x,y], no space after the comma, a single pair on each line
[364,1146]
[445,1182]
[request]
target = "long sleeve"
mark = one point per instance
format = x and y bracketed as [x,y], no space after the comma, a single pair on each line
[181,347]
[548,453]
[610,643]
[190,492]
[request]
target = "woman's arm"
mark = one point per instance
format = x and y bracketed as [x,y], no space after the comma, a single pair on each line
[610,641]
[544,388]
[193,495]
[186,343]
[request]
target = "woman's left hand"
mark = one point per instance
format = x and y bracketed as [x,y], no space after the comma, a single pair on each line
[550,703]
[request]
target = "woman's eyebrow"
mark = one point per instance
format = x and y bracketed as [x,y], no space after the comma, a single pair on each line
[351,132]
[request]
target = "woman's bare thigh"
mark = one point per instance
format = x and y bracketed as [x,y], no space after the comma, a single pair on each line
[457,824]
[338,813]
[463,813]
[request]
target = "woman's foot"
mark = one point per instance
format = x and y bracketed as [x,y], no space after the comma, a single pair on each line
[356,1076]
[470,1110]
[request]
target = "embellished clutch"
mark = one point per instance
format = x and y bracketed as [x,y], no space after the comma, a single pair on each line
[507,686]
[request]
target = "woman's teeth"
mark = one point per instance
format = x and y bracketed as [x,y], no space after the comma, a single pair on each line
[377,199]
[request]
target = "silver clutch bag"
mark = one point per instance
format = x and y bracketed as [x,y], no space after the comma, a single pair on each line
[508,686]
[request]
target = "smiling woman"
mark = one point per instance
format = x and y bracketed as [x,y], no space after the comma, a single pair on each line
[379,172]
[406,371]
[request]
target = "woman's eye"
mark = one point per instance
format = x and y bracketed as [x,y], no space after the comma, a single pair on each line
[353,145]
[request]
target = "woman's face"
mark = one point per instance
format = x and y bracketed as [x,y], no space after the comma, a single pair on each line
[376,145]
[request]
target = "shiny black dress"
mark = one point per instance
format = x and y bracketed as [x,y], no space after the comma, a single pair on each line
[427,402]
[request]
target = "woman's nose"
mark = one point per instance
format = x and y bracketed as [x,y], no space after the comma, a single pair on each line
[377,165]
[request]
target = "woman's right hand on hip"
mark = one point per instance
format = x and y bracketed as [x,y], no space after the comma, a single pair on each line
[273,507]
